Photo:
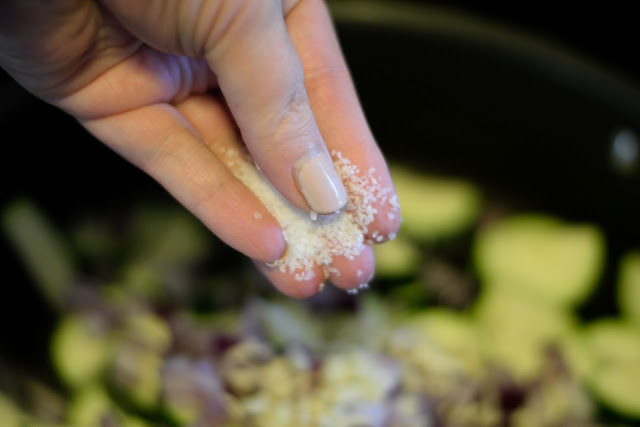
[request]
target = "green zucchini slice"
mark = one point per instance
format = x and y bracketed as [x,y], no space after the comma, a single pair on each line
[80,350]
[542,257]
[629,287]
[433,207]
[398,258]
[615,349]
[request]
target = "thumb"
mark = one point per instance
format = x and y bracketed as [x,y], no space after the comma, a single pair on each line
[259,72]
[261,77]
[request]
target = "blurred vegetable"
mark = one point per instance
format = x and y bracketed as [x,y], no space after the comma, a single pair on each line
[541,257]
[398,258]
[434,208]
[629,287]
[9,412]
[151,344]
[92,407]
[81,348]
[614,346]
[44,252]
[516,331]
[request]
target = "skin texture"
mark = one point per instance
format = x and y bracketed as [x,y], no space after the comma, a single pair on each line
[166,84]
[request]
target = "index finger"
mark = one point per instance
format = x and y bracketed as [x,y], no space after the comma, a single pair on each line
[338,113]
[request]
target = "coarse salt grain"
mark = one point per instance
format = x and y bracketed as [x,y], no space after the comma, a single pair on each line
[312,243]
[257,215]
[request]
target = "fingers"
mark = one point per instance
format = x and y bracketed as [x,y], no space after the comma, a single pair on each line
[261,76]
[159,141]
[221,137]
[343,272]
[145,78]
[340,119]
[337,111]
[291,285]
[223,140]
[257,66]
[247,45]
[351,273]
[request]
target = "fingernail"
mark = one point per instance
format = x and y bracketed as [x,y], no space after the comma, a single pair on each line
[320,184]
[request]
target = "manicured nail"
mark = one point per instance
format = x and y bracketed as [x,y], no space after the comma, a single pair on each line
[320,184]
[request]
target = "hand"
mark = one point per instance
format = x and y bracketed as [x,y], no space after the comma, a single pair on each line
[170,84]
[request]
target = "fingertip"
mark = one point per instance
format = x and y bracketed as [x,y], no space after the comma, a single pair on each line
[388,217]
[385,226]
[292,285]
[271,246]
[349,273]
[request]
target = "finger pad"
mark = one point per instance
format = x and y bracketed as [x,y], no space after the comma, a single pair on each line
[350,273]
[290,285]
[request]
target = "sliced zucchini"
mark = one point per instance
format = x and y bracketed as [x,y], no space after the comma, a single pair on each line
[137,360]
[89,407]
[433,207]
[43,250]
[148,330]
[81,348]
[10,414]
[615,348]
[93,407]
[136,374]
[629,287]
[516,331]
[452,331]
[574,351]
[397,258]
[542,257]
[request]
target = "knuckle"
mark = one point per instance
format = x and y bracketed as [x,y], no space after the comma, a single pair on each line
[325,77]
[293,120]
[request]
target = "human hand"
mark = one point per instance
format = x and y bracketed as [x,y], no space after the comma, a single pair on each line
[171,85]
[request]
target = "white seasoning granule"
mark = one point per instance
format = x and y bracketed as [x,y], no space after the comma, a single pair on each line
[312,243]
[393,201]
[313,215]
[359,272]
[257,215]
[331,270]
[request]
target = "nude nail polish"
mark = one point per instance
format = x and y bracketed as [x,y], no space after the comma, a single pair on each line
[320,184]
